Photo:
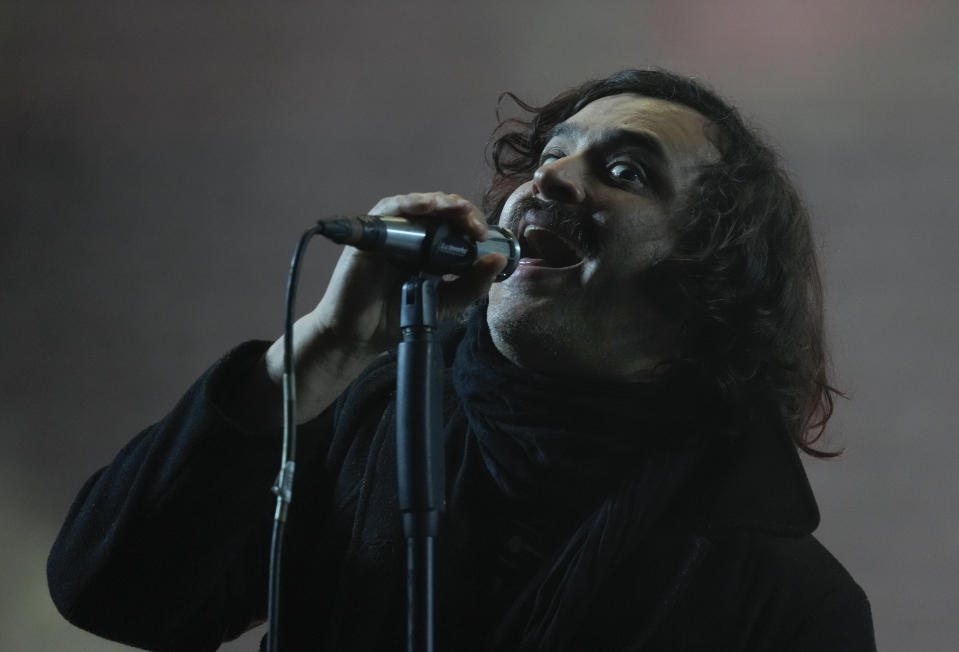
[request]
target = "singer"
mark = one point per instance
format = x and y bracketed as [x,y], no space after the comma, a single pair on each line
[623,420]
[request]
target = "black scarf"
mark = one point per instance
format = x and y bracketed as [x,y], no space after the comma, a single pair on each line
[613,454]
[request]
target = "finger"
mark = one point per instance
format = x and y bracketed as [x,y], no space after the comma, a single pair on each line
[461,213]
[458,294]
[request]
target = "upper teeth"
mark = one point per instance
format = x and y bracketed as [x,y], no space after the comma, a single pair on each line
[572,245]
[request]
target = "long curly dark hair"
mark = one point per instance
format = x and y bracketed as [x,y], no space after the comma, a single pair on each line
[743,278]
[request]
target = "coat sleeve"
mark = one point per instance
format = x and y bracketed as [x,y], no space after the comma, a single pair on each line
[167,547]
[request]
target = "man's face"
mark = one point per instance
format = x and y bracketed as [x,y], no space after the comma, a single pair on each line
[597,215]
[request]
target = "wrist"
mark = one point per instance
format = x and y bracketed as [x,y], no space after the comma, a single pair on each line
[324,364]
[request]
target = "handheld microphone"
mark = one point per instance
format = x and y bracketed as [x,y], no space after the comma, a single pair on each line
[432,248]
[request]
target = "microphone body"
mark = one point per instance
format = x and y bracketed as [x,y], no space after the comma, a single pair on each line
[432,248]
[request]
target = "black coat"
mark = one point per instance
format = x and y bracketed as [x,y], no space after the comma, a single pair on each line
[167,548]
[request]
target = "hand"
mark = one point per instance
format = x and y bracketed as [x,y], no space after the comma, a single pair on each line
[358,316]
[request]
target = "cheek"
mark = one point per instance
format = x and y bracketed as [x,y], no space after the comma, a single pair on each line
[652,235]
[633,250]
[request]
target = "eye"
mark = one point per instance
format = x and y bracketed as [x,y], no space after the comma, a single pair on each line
[550,156]
[629,172]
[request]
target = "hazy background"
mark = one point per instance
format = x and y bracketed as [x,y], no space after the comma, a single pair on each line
[158,162]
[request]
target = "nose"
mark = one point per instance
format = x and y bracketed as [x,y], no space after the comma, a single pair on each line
[561,180]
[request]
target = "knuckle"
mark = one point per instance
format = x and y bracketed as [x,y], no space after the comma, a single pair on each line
[449,206]
[421,200]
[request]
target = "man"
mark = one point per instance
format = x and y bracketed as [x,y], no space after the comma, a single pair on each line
[621,422]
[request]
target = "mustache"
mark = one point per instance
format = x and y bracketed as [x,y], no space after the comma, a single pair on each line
[566,219]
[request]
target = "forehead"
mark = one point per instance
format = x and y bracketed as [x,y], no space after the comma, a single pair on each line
[680,131]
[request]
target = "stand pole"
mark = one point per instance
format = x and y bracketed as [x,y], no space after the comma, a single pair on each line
[419,451]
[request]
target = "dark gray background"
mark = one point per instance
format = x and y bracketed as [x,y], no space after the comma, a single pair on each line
[158,162]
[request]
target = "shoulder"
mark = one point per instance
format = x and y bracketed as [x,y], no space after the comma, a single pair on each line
[790,592]
[801,563]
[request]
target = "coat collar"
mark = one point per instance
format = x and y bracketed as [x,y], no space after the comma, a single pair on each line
[756,482]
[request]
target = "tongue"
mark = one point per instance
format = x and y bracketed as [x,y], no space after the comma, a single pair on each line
[548,247]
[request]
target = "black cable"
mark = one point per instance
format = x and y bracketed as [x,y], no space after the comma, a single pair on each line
[283,487]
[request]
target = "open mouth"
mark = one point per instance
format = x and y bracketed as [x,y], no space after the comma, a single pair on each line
[546,248]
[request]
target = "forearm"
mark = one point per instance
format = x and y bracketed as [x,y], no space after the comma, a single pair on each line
[169,543]
[324,368]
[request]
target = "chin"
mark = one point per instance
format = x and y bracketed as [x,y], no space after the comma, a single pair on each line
[532,334]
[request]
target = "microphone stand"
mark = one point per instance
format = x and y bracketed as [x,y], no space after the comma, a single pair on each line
[419,452]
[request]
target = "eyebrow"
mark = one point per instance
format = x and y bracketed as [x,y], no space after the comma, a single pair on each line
[616,135]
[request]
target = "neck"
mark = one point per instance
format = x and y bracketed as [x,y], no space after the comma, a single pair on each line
[635,357]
